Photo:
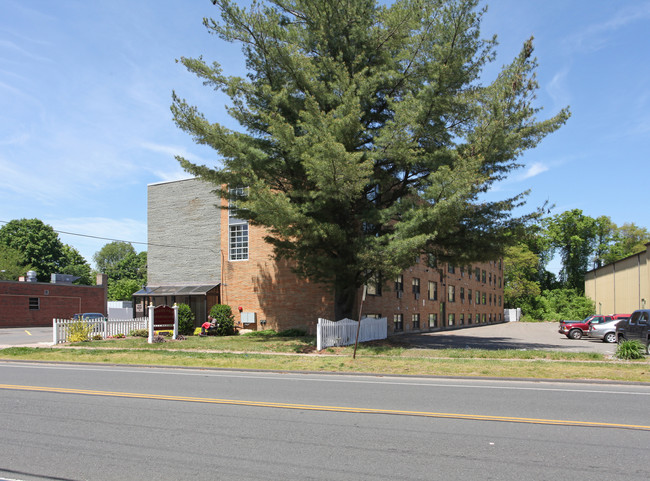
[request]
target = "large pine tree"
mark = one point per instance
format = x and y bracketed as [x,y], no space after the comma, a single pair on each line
[366,136]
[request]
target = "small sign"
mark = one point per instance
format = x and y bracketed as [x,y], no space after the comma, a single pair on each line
[163,317]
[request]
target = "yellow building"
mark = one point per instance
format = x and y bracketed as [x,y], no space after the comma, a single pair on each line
[621,287]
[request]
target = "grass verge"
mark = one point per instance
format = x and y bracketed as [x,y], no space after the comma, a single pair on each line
[272,352]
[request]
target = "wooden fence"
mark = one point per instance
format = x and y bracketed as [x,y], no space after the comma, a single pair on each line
[104,327]
[344,332]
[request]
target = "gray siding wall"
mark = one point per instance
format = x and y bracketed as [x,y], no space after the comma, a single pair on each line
[183,214]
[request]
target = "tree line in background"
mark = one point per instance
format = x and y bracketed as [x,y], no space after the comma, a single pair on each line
[29,244]
[581,243]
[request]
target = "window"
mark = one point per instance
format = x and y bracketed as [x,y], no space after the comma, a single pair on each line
[450,269]
[469,272]
[416,321]
[398,322]
[237,192]
[372,316]
[416,288]
[462,271]
[431,261]
[469,296]
[499,264]
[484,319]
[433,320]
[451,293]
[433,291]
[461,319]
[477,273]
[483,276]
[462,294]
[499,301]
[373,285]
[469,319]
[34,303]
[451,319]
[478,297]
[399,285]
[238,240]
[499,282]
[490,278]
[484,298]
[490,299]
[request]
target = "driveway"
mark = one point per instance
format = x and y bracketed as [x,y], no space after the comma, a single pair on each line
[509,335]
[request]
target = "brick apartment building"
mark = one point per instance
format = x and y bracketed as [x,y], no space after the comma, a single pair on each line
[201,255]
[35,304]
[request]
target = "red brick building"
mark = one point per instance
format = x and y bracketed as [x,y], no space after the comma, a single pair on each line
[35,304]
[424,297]
[232,257]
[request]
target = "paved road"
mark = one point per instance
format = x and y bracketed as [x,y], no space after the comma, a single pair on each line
[116,423]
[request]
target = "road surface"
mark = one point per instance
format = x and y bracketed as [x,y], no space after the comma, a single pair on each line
[70,422]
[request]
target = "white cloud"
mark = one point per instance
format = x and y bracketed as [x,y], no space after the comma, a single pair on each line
[534,170]
[595,36]
[558,90]
[102,230]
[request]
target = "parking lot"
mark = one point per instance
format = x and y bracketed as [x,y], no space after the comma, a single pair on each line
[510,335]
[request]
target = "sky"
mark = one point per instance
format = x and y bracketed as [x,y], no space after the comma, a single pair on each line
[86,86]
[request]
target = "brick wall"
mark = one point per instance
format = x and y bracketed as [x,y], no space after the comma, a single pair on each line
[51,301]
[269,288]
[276,295]
[389,304]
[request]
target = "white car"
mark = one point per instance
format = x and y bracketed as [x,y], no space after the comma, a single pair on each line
[605,330]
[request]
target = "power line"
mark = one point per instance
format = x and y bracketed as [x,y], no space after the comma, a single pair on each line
[127,241]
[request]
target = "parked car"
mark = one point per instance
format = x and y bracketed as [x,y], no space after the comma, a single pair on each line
[577,329]
[604,330]
[88,316]
[636,327]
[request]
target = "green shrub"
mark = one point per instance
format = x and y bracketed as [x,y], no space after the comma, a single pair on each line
[97,337]
[222,315]
[79,331]
[294,332]
[139,333]
[185,320]
[630,350]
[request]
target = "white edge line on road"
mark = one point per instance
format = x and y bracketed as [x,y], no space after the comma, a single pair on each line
[309,377]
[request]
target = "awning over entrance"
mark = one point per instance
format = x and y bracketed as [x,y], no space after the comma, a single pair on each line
[156,291]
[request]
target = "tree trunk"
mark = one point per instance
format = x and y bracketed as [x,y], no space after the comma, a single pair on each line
[344,301]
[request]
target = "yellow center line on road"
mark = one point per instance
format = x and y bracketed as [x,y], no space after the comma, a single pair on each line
[311,407]
[28,333]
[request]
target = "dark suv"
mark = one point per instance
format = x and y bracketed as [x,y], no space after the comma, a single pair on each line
[636,327]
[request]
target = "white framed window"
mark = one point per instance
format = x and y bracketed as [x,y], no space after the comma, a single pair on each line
[238,242]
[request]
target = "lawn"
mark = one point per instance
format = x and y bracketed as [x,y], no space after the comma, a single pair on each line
[267,350]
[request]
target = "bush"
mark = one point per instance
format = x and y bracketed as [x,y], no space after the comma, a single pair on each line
[97,337]
[139,333]
[294,332]
[185,320]
[630,350]
[224,319]
[79,331]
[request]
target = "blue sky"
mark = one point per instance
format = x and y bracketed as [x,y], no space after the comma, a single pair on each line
[85,90]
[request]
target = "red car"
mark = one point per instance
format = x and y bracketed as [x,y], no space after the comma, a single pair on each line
[577,329]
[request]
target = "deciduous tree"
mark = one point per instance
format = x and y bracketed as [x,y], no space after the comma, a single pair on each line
[367,137]
[37,243]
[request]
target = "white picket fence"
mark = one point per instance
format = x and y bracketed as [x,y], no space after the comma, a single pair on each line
[344,332]
[105,327]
